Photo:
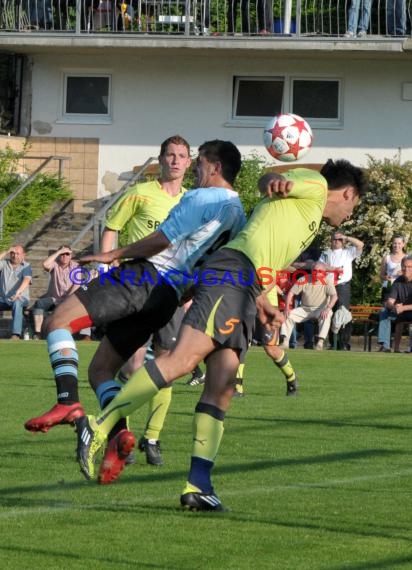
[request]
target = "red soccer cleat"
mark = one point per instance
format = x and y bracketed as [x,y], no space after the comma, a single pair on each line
[115,456]
[59,414]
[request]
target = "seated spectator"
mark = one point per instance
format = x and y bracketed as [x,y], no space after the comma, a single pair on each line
[318,297]
[283,285]
[306,261]
[15,279]
[391,265]
[59,265]
[398,307]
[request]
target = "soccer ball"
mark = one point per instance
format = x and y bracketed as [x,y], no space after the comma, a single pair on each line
[287,137]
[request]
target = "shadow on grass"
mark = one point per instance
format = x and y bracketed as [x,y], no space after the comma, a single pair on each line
[67,556]
[400,562]
[238,468]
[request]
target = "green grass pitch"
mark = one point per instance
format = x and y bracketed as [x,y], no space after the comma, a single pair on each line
[322,481]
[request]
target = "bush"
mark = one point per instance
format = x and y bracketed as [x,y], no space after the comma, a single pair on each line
[32,202]
[384,212]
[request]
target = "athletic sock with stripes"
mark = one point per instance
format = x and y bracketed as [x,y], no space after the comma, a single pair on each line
[64,361]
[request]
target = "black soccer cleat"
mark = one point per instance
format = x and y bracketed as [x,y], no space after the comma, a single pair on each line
[152,450]
[201,502]
[292,387]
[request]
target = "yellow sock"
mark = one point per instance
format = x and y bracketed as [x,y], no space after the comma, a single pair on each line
[141,387]
[207,434]
[285,367]
[158,408]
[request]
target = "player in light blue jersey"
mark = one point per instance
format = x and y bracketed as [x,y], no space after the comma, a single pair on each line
[136,299]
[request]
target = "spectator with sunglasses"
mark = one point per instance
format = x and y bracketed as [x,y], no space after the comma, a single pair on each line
[59,266]
[340,257]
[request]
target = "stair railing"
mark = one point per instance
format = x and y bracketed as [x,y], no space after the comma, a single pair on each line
[98,218]
[28,181]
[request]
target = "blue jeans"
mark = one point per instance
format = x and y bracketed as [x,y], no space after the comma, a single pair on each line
[384,330]
[355,23]
[17,313]
[396,17]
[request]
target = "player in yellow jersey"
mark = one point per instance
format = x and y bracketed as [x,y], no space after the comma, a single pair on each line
[141,210]
[219,324]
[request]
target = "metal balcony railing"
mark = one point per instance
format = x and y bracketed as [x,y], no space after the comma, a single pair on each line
[347,18]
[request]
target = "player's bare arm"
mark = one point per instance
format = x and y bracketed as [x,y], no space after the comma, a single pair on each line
[146,247]
[272,184]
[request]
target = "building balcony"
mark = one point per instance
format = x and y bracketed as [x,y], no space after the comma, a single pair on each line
[225,19]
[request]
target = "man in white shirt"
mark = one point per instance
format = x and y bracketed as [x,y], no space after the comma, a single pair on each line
[339,258]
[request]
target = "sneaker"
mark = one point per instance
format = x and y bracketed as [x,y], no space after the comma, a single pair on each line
[131,459]
[201,502]
[292,387]
[196,380]
[239,391]
[115,457]
[362,34]
[152,449]
[349,34]
[58,415]
[319,344]
[89,440]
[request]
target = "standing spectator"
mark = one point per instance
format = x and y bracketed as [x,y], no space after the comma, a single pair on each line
[15,278]
[396,17]
[398,306]
[264,17]
[358,25]
[318,297]
[59,266]
[340,258]
[391,265]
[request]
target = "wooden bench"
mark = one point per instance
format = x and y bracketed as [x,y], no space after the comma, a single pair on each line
[368,315]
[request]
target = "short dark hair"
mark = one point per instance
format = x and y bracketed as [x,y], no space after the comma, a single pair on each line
[226,153]
[341,173]
[175,139]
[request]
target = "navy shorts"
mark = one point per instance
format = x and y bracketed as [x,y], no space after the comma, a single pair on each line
[226,309]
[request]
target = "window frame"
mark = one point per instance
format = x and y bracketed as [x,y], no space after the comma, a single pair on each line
[289,79]
[86,118]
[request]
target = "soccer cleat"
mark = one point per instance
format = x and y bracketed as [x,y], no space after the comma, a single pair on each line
[58,415]
[131,459]
[196,380]
[89,440]
[152,450]
[201,502]
[239,391]
[292,387]
[115,457]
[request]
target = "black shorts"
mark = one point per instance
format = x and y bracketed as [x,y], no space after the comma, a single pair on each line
[166,337]
[226,309]
[129,309]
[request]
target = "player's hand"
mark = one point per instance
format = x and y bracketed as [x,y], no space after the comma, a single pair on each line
[107,257]
[270,316]
[272,184]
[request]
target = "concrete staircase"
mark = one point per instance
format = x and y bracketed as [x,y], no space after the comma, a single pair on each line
[58,227]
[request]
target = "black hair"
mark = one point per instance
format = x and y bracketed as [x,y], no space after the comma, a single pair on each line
[226,153]
[341,173]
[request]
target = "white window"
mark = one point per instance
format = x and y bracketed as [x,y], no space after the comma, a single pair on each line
[86,98]
[255,99]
